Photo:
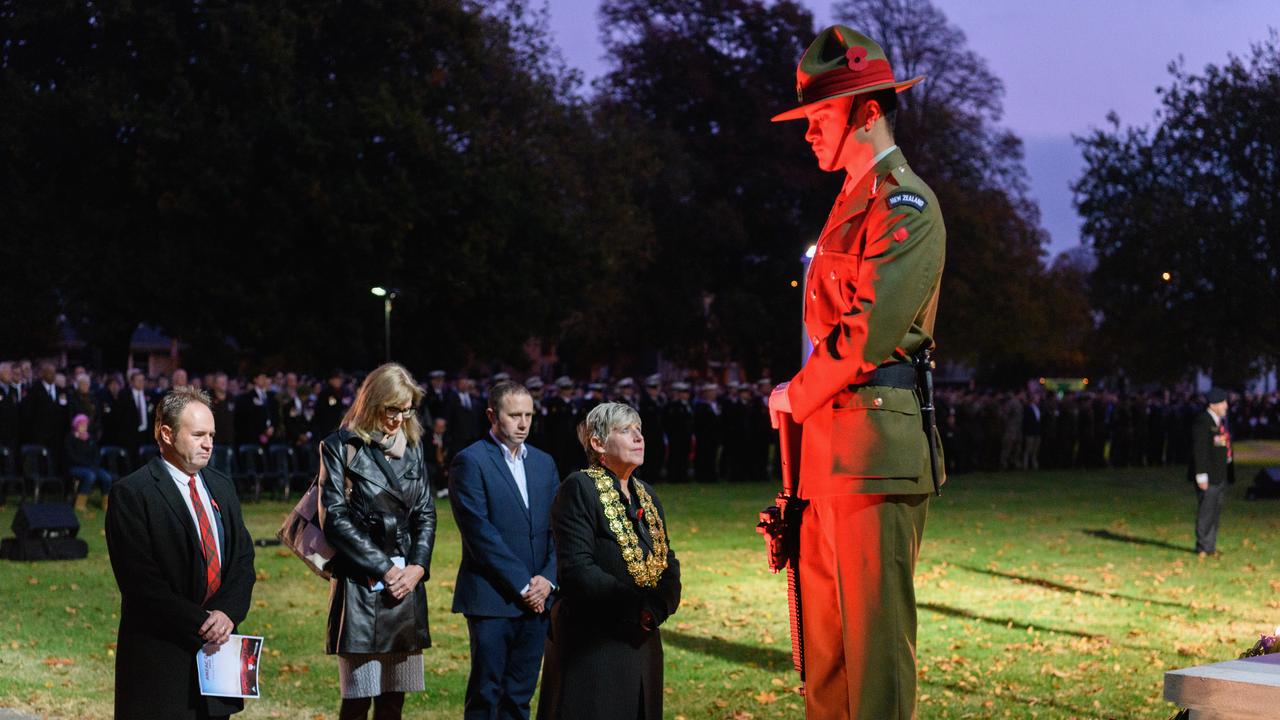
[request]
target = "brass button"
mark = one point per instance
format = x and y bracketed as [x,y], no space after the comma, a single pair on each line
[833,274]
[878,402]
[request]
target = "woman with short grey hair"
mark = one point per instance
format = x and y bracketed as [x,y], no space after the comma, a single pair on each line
[619,580]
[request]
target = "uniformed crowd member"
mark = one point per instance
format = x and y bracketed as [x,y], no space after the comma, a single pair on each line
[562,418]
[871,296]
[651,407]
[437,397]
[331,404]
[708,433]
[538,428]
[677,421]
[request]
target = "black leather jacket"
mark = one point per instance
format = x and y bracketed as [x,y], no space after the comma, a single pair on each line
[367,525]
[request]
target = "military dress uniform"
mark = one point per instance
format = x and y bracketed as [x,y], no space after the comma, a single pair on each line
[871,297]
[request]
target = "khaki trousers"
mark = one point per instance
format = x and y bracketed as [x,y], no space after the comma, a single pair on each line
[857,560]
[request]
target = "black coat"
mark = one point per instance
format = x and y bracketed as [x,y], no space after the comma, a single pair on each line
[254,415]
[379,519]
[9,419]
[599,661]
[158,563]
[1208,450]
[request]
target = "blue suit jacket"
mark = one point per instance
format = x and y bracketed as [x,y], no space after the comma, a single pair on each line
[504,544]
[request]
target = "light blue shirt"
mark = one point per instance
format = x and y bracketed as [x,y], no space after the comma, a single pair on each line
[515,463]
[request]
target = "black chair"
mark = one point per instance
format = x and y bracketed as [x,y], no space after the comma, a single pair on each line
[250,465]
[223,460]
[37,470]
[279,467]
[146,452]
[9,476]
[115,460]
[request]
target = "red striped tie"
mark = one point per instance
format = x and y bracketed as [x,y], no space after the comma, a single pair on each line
[212,566]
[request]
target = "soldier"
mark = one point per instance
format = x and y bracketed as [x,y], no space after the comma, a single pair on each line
[651,408]
[708,428]
[563,415]
[871,297]
[677,422]
[331,405]
[437,397]
[625,393]
[538,426]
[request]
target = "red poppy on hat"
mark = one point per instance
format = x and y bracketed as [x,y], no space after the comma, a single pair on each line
[857,56]
[842,62]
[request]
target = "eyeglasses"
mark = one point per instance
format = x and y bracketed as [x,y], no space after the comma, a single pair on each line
[394,412]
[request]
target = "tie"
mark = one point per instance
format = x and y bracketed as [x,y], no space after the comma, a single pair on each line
[212,567]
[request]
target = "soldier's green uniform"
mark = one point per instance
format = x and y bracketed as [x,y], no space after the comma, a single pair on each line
[870,302]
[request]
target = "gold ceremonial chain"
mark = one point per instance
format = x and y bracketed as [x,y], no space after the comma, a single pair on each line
[646,570]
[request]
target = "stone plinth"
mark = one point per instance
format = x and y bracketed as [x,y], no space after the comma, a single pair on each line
[1246,689]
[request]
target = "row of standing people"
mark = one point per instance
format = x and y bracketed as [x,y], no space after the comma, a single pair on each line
[582,568]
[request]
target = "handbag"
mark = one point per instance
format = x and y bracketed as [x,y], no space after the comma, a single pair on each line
[303,528]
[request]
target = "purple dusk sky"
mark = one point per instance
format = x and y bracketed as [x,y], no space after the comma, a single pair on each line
[1065,65]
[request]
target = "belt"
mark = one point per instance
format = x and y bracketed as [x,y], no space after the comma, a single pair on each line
[895,375]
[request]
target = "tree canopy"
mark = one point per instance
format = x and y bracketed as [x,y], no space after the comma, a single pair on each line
[1185,223]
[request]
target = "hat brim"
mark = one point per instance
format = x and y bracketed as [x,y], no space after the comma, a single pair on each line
[798,112]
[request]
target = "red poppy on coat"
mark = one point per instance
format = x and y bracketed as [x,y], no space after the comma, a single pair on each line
[857,57]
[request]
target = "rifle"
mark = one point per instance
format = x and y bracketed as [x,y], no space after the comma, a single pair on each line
[923,361]
[780,526]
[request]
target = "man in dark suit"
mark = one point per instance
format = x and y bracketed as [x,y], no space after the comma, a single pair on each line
[44,414]
[331,405]
[135,406]
[184,563]
[257,420]
[8,409]
[1209,468]
[501,490]
[465,412]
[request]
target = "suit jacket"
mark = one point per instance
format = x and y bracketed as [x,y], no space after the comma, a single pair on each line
[465,423]
[159,566]
[504,543]
[9,418]
[1208,450]
[44,419]
[871,296]
[254,415]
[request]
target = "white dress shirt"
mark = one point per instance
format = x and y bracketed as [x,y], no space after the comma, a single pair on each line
[181,478]
[515,463]
[140,404]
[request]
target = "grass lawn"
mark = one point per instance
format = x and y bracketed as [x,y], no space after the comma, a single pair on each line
[1049,595]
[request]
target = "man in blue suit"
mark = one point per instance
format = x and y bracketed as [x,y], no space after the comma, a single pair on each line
[501,490]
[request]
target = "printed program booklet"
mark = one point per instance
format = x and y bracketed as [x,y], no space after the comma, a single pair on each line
[230,670]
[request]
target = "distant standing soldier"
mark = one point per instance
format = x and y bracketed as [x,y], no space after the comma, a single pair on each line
[677,421]
[871,296]
[562,418]
[652,404]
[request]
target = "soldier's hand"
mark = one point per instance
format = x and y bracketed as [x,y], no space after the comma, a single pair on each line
[779,405]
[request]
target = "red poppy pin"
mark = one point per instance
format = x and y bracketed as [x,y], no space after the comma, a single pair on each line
[639,513]
[857,57]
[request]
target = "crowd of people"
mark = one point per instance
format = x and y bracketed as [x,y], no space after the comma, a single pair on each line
[695,430]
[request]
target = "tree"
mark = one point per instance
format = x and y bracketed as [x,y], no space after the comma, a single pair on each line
[249,169]
[1000,307]
[1184,220]
[734,200]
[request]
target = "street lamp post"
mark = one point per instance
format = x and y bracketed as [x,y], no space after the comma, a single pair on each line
[387,296]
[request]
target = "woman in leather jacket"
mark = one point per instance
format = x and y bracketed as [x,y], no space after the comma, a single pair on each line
[380,516]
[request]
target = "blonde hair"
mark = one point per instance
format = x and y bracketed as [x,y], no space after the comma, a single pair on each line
[388,385]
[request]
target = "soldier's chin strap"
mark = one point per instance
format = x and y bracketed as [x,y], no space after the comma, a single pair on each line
[848,126]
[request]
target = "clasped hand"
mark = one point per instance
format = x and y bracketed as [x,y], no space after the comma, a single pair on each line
[779,405]
[216,628]
[535,598]
[401,581]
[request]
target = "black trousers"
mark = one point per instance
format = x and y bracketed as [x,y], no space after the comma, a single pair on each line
[1208,508]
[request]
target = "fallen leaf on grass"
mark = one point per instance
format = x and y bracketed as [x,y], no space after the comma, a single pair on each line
[765,697]
[58,661]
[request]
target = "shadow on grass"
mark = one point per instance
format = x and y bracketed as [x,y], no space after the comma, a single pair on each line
[1132,539]
[1002,621]
[1070,589]
[1029,700]
[729,651]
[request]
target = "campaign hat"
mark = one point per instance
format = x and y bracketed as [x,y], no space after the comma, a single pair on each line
[842,61]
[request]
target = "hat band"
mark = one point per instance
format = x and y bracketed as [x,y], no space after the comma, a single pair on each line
[844,80]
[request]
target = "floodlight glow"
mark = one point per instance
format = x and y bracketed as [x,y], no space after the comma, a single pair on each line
[813,250]
[379,291]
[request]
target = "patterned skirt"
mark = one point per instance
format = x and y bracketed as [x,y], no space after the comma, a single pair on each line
[361,676]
